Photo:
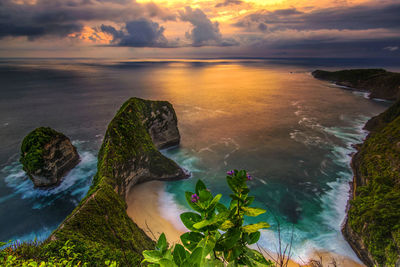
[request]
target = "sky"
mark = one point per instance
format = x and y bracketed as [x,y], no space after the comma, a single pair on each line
[200,28]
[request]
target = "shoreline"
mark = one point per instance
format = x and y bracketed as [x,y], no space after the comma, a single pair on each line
[143,207]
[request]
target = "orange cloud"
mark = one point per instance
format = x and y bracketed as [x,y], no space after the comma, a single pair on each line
[91,36]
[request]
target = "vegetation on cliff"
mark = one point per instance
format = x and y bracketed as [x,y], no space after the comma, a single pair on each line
[373,222]
[47,155]
[374,213]
[99,229]
[32,148]
[379,82]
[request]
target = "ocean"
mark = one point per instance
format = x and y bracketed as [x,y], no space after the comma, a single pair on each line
[291,132]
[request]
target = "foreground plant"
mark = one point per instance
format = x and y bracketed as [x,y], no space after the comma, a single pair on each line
[217,235]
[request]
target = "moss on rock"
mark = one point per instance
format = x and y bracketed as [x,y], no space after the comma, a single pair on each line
[46,155]
[32,148]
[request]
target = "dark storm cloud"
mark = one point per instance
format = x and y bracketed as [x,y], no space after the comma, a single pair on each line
[204,31]
[138,33]
[360,17]
[324,45]
[62,17]
[229,3]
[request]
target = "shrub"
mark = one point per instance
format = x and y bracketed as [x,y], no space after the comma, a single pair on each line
[217,234]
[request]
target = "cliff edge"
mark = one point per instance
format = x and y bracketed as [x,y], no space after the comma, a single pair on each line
[372,226]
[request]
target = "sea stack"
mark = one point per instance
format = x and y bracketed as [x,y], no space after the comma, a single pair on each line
[47,155]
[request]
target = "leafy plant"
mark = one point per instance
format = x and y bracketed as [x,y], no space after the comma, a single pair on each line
[217,235]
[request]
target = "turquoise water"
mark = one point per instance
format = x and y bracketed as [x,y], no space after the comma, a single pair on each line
[291,132]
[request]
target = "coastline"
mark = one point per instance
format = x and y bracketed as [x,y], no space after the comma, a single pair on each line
[143,207]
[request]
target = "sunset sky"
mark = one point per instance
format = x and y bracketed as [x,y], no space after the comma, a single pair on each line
[200,28]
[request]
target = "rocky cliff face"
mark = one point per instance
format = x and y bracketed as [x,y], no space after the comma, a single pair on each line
[128,156]
[379,82]
[47,156]
[140,127]
[372,226]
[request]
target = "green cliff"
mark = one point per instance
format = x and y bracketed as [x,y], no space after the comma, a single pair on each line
[373,224]
[99,229]
[379,82]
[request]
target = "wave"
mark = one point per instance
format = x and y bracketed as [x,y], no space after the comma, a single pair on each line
[73,186]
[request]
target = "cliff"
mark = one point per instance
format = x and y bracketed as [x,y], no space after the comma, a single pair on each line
[99,228]
[379,82]
[47,155]
[372,227]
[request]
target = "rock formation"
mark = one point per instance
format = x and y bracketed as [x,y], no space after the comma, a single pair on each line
[378,82]
[127,156]
[47,155]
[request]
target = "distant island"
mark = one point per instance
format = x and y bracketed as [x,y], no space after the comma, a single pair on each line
[372,226]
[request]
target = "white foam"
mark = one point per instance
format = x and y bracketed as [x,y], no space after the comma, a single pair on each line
[170,210]
[76,183]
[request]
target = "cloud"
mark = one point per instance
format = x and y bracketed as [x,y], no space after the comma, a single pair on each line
[204,32]
[229,3]
[61,17]
[359,17]
[138,33]
[391,48]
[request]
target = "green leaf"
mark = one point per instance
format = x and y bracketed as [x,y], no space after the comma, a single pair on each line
[253,212]
[200,186]
[188,196]
[191,239]
[228,240]
[205,223]
[205,195]
[253,237]
[226,225]
[162,244]
[221,207]
[153,256]
[235,197]
[179,254]
[208,244]
[189,219]
[249,200]
[212,263]
[251,228]
[215,201]
[256,257]
[245,191]
[232,183]
[167,263]
[195,258]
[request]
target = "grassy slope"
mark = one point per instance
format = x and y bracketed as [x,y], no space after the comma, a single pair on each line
[99,228]
[374,213]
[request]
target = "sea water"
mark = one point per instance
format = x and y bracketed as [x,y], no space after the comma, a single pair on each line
[293,133]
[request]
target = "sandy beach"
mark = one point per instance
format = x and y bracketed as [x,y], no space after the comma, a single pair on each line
[144,209]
